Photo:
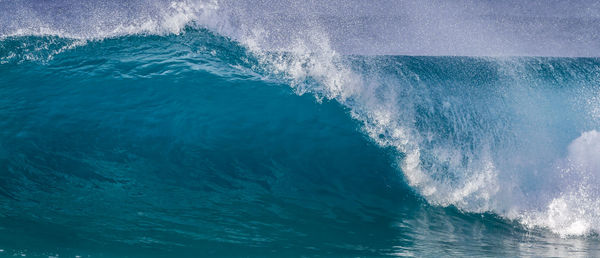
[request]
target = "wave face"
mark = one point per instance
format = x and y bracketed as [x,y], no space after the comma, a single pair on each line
[175,129]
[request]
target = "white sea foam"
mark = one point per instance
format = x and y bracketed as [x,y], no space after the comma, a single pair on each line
[576,208]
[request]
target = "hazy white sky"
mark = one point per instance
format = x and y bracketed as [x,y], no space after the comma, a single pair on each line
[415,27]
[429,27]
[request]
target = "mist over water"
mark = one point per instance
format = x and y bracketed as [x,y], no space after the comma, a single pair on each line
[463,28]
[289,128]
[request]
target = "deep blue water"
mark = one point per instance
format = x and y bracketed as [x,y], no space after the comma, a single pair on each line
[194,145]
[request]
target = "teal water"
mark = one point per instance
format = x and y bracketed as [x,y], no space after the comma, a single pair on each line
[192,145]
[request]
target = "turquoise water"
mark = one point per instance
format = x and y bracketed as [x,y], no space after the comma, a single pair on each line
[192,144]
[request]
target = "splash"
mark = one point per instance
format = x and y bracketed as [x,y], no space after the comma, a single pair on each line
[481,146]
[575,210]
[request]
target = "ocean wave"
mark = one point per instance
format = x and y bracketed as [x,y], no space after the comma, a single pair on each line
[481,134]
[515,136]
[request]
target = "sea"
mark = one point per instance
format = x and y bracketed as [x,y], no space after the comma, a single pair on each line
[187,129]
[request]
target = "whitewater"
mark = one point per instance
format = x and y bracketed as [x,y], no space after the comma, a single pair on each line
[261,128]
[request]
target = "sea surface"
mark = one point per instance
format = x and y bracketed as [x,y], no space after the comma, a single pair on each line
[176,139]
